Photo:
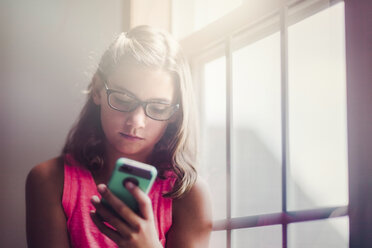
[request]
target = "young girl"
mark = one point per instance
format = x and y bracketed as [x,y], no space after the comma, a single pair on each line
[140,106]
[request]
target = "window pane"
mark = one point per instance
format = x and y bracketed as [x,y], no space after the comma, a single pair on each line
[330,233]
[218,239]
[213,134]
[192,15]
[256,155]
[258,237]
[317,111]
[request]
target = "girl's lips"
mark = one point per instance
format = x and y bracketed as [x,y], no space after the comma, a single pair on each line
[130,137]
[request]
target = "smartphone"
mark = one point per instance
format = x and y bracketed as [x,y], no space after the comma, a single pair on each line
[141,174]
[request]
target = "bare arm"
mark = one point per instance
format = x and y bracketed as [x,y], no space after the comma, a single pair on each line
[192,219]
[45,218]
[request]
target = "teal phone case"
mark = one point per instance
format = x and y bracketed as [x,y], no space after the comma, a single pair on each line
[141,174]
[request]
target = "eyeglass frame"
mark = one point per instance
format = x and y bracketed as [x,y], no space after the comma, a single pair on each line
[143,104]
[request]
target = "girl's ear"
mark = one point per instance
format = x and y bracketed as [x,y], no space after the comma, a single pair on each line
[96,96]
[96,92]
[175,118]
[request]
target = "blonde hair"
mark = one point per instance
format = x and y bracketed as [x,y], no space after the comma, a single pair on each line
[177,150]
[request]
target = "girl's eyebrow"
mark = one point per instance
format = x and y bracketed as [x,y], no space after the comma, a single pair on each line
[117,87]
[155,100]
[160,100]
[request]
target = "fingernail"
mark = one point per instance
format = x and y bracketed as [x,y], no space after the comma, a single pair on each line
[129,185]
[95,199]
[101,188]
[92,213]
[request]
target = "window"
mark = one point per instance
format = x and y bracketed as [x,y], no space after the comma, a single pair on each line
[317,111]
[272,93]
[192,15]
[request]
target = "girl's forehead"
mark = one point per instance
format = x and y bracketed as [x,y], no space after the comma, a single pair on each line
[145,83]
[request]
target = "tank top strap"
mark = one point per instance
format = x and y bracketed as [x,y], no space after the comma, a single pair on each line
[78,182]
[79,187]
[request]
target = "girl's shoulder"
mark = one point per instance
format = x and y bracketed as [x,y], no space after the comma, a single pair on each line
[192,217]
[198,195]
[47,176]
[44,212]
[196,200]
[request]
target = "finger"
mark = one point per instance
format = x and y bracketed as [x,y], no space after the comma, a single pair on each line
[113,220]
[144,202]
[121,208]
[113,235]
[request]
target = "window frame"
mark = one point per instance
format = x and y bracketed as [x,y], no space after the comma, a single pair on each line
[358,21]
[220,39]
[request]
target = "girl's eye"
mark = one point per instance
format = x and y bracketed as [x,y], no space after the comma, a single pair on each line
[121,101]
[158,107]
[121,98]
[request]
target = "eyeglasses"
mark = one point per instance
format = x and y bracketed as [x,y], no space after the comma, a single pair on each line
[126,102]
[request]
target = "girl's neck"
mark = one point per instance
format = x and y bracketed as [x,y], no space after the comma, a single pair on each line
[110,158]
[111,155]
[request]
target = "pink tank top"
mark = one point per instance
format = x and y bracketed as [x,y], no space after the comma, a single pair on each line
[79,187]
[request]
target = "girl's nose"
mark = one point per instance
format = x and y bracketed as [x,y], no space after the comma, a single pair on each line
[137,117]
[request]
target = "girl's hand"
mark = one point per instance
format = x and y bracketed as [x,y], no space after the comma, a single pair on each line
[135,231]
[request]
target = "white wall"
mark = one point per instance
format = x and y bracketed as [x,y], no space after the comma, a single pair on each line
[156,13]
[48,51]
